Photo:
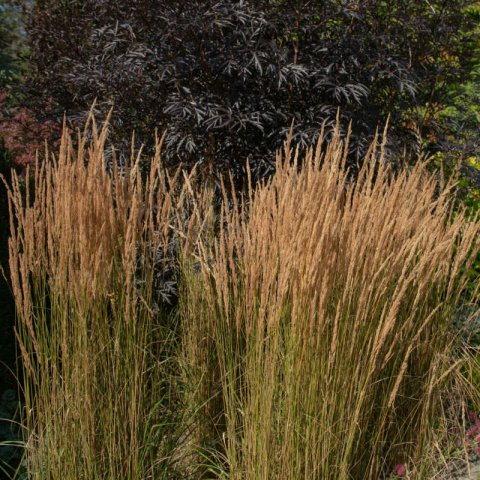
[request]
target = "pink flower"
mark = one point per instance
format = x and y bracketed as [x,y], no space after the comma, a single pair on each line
[400,470]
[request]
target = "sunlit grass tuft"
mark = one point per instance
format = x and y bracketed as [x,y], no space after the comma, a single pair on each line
[101,400]
[313,337]
[320,321]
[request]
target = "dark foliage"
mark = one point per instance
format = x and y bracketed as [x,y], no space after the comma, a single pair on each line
[226,78]
[10,456]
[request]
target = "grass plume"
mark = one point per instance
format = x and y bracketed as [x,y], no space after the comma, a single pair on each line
[324,312]
[313,338]
[97,359]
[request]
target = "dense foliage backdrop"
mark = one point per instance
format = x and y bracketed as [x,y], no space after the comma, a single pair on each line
[228,77]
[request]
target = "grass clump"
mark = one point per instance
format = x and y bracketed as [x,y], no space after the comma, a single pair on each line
[313,336]
[97,357]
[324,312]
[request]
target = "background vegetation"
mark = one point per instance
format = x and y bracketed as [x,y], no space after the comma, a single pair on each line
[227,78]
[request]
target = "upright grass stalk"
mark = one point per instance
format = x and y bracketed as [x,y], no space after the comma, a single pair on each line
[315,315]
[96,356]
[319,321]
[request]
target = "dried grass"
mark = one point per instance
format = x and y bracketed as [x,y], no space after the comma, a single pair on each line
[100,393]
[320,320]
[314,336]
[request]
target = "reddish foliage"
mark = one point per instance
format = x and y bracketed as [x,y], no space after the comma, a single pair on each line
[400,470]
[23,134]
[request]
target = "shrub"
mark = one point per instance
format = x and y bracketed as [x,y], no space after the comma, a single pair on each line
[23,135]
[12,45]
[228,77]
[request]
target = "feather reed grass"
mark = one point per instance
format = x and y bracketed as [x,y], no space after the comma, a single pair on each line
[99,373]
[313,338]
[319,320]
